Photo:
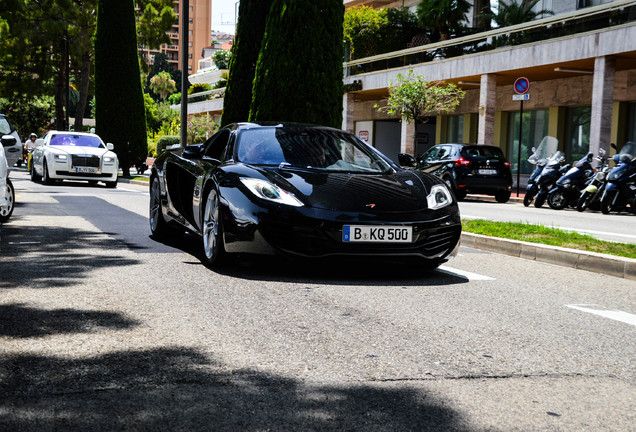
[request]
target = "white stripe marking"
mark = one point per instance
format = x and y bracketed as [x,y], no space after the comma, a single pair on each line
[621,316]
[471,276]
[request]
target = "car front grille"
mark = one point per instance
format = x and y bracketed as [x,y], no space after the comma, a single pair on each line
[85,161]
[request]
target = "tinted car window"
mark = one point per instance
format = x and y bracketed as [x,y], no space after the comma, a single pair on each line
[483,151]
[216,144]
[430,154]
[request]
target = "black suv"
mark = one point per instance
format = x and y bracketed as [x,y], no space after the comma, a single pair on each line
[467,168]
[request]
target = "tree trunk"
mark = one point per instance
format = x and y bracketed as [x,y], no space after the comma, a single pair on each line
[83,92]
[60,88]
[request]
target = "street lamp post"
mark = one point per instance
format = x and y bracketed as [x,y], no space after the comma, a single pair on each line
[185,8]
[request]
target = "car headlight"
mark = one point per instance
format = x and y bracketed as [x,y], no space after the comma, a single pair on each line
[60,158]
[109,160]
[270,192]
[439,197]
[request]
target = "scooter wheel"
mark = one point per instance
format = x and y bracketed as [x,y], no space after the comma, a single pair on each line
[527,200]
[539,200]
[557,201]
[584,201]
[606,202]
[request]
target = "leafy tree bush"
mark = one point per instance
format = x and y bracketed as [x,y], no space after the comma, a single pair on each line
[222,58]
[119,106]
[200,128]
[299,78]
[29,115]
[443,18]
[414,98]
[162,84]
[167,141]
[247,45]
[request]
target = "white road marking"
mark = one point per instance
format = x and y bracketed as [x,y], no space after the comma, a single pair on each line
[471,276]
[617,315]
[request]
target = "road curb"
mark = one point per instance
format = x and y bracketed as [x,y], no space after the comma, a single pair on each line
[583,260]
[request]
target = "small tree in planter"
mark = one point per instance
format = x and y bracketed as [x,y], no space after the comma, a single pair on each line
[414,98]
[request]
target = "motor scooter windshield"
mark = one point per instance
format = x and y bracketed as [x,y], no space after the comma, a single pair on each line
[546,148]
[628,150]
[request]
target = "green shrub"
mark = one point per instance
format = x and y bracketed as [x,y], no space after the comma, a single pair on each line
[166,141]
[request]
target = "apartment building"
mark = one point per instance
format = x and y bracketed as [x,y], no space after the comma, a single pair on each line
[580,63]
[199,28]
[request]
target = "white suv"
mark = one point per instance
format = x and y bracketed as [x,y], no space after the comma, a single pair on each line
[13,153]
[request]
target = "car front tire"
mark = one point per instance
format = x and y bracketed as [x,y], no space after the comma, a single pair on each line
[158,225]
[46,178]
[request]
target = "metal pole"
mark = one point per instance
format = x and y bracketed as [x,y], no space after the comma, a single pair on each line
[519,153]
[185,28]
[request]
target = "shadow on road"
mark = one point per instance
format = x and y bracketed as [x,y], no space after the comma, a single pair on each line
[21,321]
[181,389]
[46,257]
[338,271]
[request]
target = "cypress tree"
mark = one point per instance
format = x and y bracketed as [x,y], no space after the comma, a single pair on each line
[247,45]
[299,70]
[119,105]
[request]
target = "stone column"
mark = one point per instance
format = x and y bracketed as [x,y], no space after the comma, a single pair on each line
[602,101]
[348,112]
[407,137]
[487,109]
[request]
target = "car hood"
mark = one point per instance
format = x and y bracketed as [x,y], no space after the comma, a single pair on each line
[395,192]
[77,150]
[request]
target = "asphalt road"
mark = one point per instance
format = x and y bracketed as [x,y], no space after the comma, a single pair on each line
[103,328]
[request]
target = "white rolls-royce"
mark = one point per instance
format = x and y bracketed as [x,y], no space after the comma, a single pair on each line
[7,193]
[74,156]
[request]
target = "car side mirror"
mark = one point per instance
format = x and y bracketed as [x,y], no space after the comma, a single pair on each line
[406,160]
[39,142]
[193,152]
[110,146]
[8,140]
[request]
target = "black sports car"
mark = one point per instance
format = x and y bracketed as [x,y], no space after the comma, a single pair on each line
[301,191]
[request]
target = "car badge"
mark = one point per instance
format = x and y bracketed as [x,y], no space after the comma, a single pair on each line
[370,205]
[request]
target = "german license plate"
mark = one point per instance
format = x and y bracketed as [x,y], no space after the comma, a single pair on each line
[377,234]
[86,170]
[487,172]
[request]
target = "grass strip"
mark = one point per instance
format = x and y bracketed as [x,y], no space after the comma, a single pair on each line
[549,236]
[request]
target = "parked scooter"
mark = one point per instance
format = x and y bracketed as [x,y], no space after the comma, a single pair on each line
[539,157]
[591,195]
[551,172]
[567,189]
[621,181]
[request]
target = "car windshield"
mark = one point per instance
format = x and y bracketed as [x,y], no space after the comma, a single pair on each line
[5,126]
[76,140]
[307,148]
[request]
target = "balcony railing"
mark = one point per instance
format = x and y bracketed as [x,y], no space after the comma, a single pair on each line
[581,21]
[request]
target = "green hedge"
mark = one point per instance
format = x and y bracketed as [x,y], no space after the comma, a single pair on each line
[167,141]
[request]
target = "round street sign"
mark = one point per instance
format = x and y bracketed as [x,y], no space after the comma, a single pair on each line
[522,85]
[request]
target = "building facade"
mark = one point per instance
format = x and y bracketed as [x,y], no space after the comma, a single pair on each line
[199,36]
[580,63]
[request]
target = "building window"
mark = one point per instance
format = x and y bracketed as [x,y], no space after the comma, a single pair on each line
[455,129]
[534,128]
[577,133]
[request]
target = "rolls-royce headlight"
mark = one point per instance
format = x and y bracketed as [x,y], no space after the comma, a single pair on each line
[270,192]
[61,158]
[109,160]
[439,197]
